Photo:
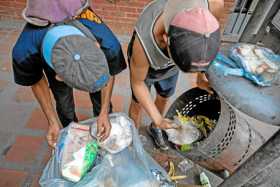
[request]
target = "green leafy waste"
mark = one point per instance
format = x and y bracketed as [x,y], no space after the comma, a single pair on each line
[202,123]
[186,147]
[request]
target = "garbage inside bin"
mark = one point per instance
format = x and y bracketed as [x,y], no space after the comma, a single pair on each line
[187,133]
[192,109]
[79,152]
[120,135]
[192,130]
[226,146]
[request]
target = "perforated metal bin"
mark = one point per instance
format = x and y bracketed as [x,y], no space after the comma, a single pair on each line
[231,142]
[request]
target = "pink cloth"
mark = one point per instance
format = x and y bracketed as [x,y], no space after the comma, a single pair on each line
[52,11]
[198,20]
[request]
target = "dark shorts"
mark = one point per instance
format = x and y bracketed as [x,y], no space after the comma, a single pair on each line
[165,87]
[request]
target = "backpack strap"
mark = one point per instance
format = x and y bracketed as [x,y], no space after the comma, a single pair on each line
[82,28]
[86,5]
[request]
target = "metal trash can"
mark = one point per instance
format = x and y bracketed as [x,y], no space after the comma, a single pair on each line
[231,142]
[260,107]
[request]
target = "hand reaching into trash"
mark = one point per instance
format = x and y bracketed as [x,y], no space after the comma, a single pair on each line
[203,83]
[103,127]
[53,133]
[167,124]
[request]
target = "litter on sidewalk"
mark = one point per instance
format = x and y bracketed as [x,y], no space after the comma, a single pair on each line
[130,166]
[172,173]
[204,180]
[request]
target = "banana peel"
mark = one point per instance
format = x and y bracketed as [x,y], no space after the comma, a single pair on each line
[172,171]
[179,177]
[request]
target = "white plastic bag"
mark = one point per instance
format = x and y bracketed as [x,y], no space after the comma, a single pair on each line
[79,152]
[132,167]
[258,64]
[120,135]
[186,134]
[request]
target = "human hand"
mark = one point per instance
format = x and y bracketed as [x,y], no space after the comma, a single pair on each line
[167,124]
[53,133]
[103,127]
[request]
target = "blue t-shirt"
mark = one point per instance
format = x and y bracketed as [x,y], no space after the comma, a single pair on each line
[29,64]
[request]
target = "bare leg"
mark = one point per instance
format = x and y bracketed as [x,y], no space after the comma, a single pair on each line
[135,111]
[154,132]
[161,103]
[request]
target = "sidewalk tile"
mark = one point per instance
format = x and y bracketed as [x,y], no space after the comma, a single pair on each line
[124,49]
[3,84]
[118,103]
[24,94]
[37,120]
[162,158]
[25,149]
[122,80]
[7,47]
[35,182]
[47,156]
[6,67]
[82,100]
[11,178]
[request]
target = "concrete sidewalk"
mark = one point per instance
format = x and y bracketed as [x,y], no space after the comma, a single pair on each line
[24,151]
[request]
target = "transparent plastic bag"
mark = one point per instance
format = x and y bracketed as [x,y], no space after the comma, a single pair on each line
[132,167]
[79,152]
[186,134]
[51,175]
[120,135]
[258,64]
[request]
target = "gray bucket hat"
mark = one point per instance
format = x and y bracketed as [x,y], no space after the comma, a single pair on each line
[74,55]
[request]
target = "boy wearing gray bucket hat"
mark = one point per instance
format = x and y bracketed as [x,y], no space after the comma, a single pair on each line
[170,35]
[65,45]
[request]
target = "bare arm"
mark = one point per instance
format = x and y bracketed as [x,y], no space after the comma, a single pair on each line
[106,94]
[42,94]
[138,72]
[202,82]
[103,122]
[217,8]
